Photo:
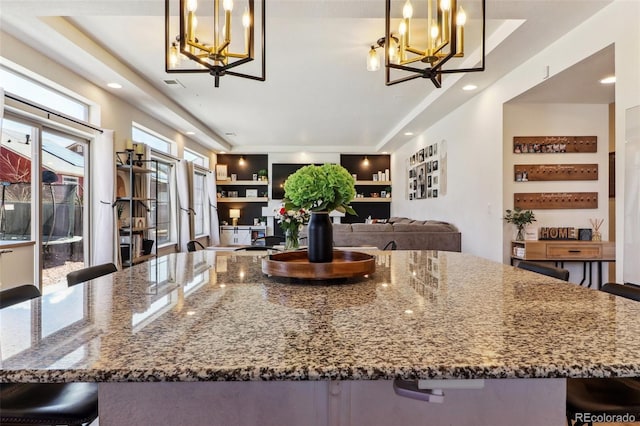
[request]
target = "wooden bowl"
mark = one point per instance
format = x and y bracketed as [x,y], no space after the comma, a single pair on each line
[295,264]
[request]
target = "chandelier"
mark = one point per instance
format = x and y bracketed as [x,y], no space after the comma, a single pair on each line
[432,34]
[215,37]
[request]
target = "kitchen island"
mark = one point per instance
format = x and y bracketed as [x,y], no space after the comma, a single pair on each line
[207,338]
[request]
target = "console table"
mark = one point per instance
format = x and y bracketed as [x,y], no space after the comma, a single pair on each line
[560,251]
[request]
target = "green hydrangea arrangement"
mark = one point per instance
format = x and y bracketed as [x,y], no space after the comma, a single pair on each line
[320,188]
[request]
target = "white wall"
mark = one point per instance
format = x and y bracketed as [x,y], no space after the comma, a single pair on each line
[473,132]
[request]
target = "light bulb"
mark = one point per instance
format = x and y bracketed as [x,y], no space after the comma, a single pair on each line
[246,18]
[402,29]
[192,5]
[394,58]
[227,5]
[365,162]
[373,62]
[434,31]
[445,5]
[173,55]
[194,22]
[407,10]
[461,17]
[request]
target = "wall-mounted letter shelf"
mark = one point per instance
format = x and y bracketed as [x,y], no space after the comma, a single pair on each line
[556,200]
[554,144]
[546,172]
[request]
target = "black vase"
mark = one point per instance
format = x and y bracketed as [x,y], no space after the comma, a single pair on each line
[320,235]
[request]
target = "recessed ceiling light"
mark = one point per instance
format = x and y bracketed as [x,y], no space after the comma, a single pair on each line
[470,87]
[408,133]
[608,80]
[115,85]
[222,152]
[190,133]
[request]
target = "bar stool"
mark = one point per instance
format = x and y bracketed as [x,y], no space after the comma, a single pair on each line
[550,271]
[87,274]
[605,396]
[44,403]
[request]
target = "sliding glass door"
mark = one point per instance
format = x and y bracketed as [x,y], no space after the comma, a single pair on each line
[63,205]
[43,176]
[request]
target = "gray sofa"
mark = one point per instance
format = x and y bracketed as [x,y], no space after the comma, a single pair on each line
[407,233]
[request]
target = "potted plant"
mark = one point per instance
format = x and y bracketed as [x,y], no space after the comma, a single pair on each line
[520,218]
[320,189]
[262,174]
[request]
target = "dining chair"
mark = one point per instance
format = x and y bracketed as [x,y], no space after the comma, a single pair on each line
[18,294]
[72,404]
[391,245]
[191,245]
[268,240]
[550,271]
[604,396]
[86,274]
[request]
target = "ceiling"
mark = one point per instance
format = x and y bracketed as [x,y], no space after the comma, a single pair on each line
[318,95]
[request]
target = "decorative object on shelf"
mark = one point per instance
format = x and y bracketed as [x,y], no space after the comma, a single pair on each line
[189,48]
[444,22]
[234,214]
[234,177]
[557,233]
[584,234]
[139,153]
[596,224]
[320,189]
[251,193]
[255,176]
[221,172]
[520,218]
[262,174]
[291,222]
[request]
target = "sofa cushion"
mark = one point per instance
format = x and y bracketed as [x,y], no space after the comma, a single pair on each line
[428,227]
[342,227]
[372,227]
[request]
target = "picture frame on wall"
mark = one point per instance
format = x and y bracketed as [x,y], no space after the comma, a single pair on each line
[221,172]
[430,150]
[435,149]
[428,166]
[412,159]
[421,156]
[434,165]
[421,191]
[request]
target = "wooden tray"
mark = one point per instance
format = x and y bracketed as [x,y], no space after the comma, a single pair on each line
[295,264]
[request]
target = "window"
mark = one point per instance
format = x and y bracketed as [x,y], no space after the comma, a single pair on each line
[162,192]
[25,87]
[140,134]
[196,158]
[199,203]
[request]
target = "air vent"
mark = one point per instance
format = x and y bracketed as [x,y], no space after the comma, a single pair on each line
[173,84]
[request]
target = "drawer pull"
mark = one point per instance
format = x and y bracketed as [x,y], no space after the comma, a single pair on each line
[6,251]
[575,251]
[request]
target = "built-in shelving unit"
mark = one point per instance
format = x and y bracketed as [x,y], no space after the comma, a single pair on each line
[365,167]
[135,227]
[233,193]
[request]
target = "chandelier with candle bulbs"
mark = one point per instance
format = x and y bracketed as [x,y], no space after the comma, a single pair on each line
[433,38]
[215,37]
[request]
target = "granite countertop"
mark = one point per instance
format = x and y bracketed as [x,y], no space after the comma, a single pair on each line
[208,316]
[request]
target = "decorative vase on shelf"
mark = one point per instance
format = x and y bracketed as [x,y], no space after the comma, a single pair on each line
[320,234]
[291,241]
[596,236]
[520,234]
